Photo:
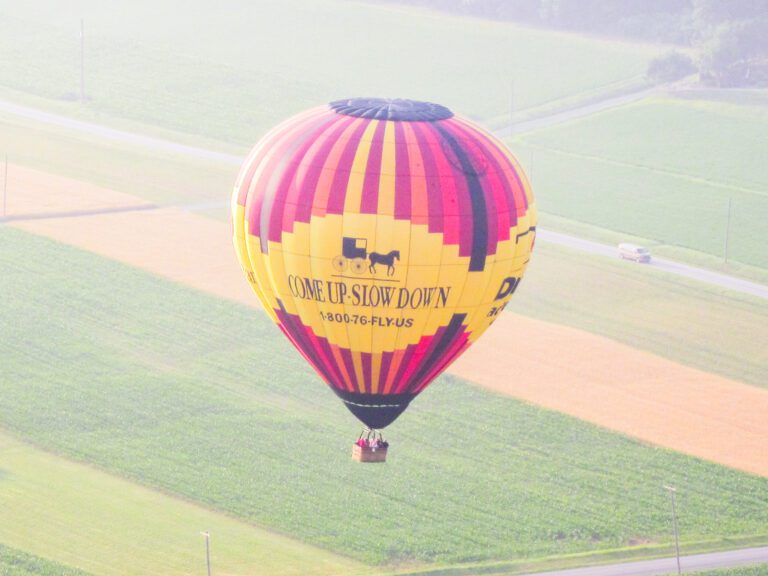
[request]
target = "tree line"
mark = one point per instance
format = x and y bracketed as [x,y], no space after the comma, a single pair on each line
[724,41]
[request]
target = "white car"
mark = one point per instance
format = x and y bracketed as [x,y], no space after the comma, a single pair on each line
[634,252]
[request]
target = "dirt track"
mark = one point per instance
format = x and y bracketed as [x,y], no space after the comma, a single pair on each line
[590,377]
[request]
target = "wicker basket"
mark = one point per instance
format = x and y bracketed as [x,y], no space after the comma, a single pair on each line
[367,454]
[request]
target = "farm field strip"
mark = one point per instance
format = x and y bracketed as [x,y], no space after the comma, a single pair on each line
[719,142]
[53,149]
[114,135]
[676,172]
[196,251]
[191,394]
[41,145]
[149,66]
[671,173]
[84,518]
[714,279]
[647,204]
[15,562]
[88,160]
[759,570]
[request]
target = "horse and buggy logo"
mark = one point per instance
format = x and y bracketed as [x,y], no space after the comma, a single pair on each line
[355,256]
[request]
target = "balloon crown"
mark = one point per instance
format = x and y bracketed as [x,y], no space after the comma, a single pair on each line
[391,109]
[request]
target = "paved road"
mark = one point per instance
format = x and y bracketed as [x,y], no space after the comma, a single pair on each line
[116,135]
[577,112]
[664,566]
[702,275]
[166,146]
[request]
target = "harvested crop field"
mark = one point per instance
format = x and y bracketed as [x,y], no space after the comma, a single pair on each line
[590,377]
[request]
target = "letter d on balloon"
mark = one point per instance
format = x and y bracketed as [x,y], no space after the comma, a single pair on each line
[508,286]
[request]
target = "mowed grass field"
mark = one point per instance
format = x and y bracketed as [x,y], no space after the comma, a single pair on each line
[661,169]
[16,563]
[232,72]
[204,399]
[162,177]
[758,570]
[80,518]
[710,328]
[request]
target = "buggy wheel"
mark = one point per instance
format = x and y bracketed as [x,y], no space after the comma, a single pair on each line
[358,265]
[339,263]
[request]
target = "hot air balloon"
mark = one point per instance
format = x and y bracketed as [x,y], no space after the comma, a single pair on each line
[383,237]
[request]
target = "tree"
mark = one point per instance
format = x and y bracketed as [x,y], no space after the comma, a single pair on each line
[670,66]
[737,54]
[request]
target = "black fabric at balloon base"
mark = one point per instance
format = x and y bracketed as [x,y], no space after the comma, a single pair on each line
[376,411]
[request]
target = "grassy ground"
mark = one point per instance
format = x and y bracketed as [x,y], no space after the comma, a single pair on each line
[206,400]
[675,253]
[16,563]
[162,177]
[233,72]
[685,321]
[710,328]
[759,570]
[84,519]
[665,170]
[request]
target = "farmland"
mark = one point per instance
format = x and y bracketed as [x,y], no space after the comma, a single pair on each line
[162,178]
[225,76]
[80,517]
[698,325]
[759,570]
[682,320]
[149,76]
[161,411]
[17,563]
[236,422]
[664,170]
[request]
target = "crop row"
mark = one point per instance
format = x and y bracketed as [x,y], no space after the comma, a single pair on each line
[205,399]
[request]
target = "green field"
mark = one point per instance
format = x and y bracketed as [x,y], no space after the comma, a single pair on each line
[17,563]
[206,400]
[203,402]
[710,328]
[161,177]
[689,322]
[233,72]
[759,570]
[664,170]
[81,517]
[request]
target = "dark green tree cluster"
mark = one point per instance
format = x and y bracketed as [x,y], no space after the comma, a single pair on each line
[730,37]
[733,37]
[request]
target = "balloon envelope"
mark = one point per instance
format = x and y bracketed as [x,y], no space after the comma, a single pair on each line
[383,237]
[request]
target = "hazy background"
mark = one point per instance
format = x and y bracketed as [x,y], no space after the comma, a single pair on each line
[136,412]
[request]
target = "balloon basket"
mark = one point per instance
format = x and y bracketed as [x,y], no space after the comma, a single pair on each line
[368,454]
[370,447]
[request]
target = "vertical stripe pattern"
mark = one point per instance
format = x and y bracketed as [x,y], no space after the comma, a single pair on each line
[327,156]
[383,237]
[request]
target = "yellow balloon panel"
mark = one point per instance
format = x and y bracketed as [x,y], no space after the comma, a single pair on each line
[382,244]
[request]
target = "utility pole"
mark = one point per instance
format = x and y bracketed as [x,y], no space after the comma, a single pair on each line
[207,550]
[672,491]
[5,183]
[530,170]
[727,231]
[82,60]
[511,104]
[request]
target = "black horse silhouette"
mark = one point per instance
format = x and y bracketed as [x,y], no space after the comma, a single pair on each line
[387,259]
